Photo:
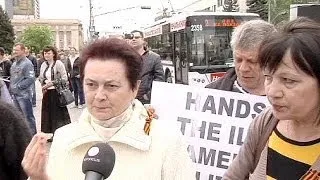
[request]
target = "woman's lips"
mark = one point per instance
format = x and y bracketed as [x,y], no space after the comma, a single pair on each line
[101,108]
[278,108]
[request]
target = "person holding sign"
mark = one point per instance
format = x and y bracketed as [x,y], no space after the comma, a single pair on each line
[247,76]
[110,71]
[284,141]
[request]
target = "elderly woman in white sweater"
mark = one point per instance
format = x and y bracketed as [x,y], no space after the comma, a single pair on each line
[145,149]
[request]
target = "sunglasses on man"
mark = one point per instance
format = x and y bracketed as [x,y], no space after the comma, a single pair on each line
[131,36]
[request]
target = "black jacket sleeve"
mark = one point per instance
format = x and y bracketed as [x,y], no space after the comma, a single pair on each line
[75,70]
[69,67]
[8,65]
[224,83]
[35,64]
[158,69]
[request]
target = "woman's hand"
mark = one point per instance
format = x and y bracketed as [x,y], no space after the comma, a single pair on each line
[47,85]
[34,161]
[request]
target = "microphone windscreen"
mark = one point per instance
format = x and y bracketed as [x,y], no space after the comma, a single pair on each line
[100,158]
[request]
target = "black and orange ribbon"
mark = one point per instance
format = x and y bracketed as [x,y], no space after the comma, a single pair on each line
[151,116]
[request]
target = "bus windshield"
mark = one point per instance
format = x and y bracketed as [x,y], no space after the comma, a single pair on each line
[211,47]
[209,39]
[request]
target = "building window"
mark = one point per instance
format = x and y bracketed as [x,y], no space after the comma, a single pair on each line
[69,38]
[219,3]
[61,40]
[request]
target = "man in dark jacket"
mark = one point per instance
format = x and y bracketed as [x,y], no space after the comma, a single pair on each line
[67,64]
[35,65]
[152,69]
[65,60]
[247,76]
[74,71]
[5,65]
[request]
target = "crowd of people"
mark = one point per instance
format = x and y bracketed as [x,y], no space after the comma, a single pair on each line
[116,75]
[19,73]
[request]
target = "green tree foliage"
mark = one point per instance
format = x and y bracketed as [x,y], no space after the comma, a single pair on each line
[6,31]
[231,6]
[258,6]
[37,37]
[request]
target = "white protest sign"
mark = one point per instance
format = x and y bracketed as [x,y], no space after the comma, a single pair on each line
[214,122]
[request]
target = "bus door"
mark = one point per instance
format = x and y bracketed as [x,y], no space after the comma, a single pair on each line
[180,57]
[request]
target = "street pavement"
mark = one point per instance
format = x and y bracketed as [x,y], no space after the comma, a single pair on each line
[74,112]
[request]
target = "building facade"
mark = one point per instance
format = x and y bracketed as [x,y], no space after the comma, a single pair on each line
[26,9]
[67,32]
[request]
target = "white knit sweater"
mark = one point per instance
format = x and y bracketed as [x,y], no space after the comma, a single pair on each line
[162,155]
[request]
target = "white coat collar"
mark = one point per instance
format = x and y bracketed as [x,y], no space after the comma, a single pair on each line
[131,133]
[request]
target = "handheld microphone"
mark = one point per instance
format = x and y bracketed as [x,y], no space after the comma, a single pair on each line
[98,162]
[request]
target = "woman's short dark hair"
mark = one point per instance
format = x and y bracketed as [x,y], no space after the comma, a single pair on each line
[114,48]
[302,37]
[50,48]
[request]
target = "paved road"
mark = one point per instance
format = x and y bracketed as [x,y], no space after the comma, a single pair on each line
[74,112]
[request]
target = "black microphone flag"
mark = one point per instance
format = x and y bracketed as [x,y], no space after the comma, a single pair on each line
[98,162]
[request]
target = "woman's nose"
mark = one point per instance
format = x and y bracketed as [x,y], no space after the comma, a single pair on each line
[100,95]
[274,90]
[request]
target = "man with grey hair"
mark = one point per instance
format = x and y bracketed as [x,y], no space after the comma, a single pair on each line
[247,76]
